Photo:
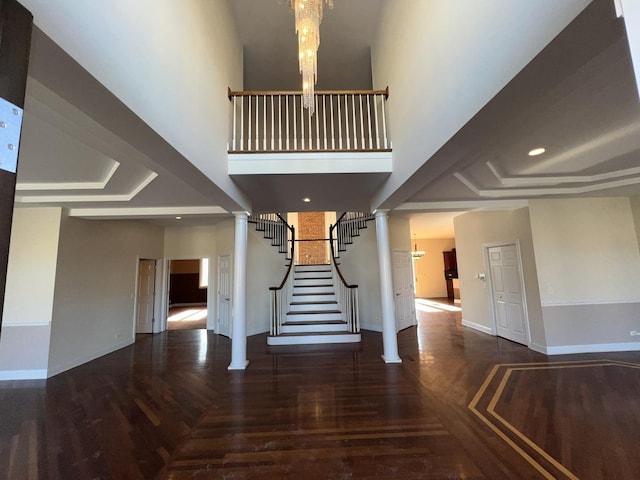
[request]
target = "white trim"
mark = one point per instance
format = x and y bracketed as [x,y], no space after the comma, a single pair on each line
[309,163]
[87,358]
[536,347]
[100,185]
[21,324]
[593,348]
[596,302]
[532,181]
[192,304]
[145,212]
[489,280]
[462,205]
[125,197]
[23,375]
[619,10]
[534,192]
[479,327]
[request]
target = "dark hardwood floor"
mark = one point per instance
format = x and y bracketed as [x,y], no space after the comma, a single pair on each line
[461,405]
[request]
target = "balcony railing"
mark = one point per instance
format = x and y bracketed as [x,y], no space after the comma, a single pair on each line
[344,121]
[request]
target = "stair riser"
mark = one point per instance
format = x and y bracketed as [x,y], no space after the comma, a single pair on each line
[306,268]
[314,298]
[310,339]
[313,306]
[299,275]
[311,291]
[313,317]
[329,327]
[299,282]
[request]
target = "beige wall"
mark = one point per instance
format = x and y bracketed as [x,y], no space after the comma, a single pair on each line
[586,250]
[589,273]
[429,270]
[475,229]
[93,308]
[28,307]
[635,210]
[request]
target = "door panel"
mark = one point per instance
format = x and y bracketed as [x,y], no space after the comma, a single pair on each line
[146,296]
[507,293]
[403,288]
[224,295]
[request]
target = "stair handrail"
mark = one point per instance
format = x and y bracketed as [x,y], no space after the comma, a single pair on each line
[280,294]
[347,293]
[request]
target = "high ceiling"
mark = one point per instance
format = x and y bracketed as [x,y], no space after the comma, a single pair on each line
[577,98]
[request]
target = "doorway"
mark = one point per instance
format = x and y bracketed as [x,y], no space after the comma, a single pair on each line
[146,296]
[223,323]
[403,288]
[507,292]
[188,291]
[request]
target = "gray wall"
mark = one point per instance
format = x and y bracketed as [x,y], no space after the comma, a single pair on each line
[93,309]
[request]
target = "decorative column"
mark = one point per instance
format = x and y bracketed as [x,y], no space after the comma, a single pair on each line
[389,332]
[239,301]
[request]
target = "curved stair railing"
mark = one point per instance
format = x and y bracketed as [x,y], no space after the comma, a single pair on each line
[276,229]
[340,235]
[282,234]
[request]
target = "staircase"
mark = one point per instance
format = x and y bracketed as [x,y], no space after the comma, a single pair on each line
[313,315]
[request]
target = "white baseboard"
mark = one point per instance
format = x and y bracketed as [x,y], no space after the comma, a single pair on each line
[372,327]
[87,358]
[23,375]
[196,304]
[477,326]
[538,348]
[594,348]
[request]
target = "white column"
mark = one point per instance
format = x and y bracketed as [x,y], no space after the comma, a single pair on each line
[239,301]
[389,331]
[630,11]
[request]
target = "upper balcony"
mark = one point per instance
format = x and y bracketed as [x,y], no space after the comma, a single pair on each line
[272,133]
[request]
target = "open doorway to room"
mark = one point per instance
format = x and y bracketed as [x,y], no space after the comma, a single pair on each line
[188,287]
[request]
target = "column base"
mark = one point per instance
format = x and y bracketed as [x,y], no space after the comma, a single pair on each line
[391,360]
[238,367]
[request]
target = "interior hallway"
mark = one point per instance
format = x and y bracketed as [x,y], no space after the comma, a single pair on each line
[168,408]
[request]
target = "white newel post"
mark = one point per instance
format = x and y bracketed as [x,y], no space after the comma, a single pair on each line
[239,302]
[389,333]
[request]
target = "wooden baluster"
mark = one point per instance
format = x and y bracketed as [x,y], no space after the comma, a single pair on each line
[384,123]
[346,120]
[264,123]
[355,134]
[235,112]
[361,123]
[369,120]
[317,125]
[295,123]
[288,133]
[279,122]
[249,117]
[302,122]
[333,127]
[324,119]
[310,131]
[375,111]
[273,127]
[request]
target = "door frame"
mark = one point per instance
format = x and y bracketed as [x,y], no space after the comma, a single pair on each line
[489,280]
[166,285]
[414,320]
[217,319]
[159,323]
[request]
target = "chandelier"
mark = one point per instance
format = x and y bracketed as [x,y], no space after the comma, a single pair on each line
[415,253]
[308,17]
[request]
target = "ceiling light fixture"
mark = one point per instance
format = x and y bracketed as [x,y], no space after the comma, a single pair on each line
[537,151]
[308,15]
[416,254]
[306,199]
[178,218]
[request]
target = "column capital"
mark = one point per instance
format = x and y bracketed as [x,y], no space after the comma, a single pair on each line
[240,213]
[381,212]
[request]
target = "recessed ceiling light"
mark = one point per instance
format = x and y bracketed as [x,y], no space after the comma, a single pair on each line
[178,218]
[537,151]
[306,199]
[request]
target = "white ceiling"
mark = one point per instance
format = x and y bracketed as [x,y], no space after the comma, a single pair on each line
[578,99]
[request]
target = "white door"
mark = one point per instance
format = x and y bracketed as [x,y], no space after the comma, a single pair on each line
[224,295]
[146,296]
[507,292]
[403,288]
